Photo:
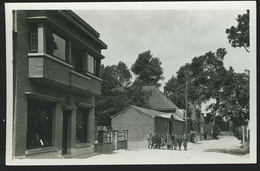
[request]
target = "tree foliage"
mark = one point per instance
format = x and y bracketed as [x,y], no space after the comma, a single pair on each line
[117,94]
[147,69]
[204,77]
[239,36]
[235,100]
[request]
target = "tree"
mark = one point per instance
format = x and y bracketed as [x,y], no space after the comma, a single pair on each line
[117,94]
[235,100]
[115,76]
[147,69]
[239,36]
[204,76]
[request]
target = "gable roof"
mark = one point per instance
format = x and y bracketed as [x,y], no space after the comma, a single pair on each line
[158,100]
[152,113]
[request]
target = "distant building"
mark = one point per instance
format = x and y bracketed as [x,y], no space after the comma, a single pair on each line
[140,122]
[56,67]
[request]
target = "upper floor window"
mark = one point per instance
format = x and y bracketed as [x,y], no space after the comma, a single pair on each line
[91,64]
[55,45]
[34,38]
[44,39]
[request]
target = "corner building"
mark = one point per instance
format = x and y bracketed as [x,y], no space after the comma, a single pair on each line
[56,68]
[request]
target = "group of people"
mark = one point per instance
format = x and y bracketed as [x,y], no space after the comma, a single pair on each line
[157,141]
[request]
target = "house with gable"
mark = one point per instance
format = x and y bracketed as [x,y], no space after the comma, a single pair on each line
[164,117]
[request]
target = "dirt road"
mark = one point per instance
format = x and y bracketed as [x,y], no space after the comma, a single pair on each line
[224,150]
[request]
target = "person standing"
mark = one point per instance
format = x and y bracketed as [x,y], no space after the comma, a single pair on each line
[168,142]
[172,140]
[175,142]
[179,141]
[150,141]
[153,141]
[185,141]
[162,140]
[159,141]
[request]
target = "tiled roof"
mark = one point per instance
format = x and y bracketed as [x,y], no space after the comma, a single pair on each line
[153,113]
[158,100]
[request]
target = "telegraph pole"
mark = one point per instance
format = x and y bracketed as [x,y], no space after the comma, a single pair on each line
[186,113]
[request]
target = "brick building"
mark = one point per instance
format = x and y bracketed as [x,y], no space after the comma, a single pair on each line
[140,122]
[56,65]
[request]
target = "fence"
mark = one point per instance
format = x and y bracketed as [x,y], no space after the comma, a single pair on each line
[122,140]
[106,142]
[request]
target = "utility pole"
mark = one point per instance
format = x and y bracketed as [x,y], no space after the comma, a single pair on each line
[186,113]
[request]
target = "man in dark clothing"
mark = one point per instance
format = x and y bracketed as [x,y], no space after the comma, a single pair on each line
[185,141]
[179,141]
[158,141]
[175,142]
[153,141]
[172,141]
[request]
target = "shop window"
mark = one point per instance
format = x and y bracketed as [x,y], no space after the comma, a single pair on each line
[39,124]
[55,45]
[81,125]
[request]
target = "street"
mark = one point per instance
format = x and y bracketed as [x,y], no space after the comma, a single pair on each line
[224,150]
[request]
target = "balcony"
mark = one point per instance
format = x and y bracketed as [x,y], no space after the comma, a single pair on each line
[44,67]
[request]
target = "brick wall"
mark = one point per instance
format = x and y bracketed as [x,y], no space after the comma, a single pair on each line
[178,127]
[161,125]
[138,125]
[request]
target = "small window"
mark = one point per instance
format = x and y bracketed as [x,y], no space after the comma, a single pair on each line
[39,124]
[34,38]
[81,125]
[55,45]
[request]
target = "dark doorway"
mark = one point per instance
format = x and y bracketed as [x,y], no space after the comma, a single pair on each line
[65,132]
[170,128]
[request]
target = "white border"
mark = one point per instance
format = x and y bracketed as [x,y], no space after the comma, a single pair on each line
[229,5]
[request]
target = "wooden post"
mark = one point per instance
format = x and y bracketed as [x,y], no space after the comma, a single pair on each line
[186,112]
[243,131]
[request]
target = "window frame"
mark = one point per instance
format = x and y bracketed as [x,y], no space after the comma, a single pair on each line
[60,36]
[34,103]
[85,114]
[34,26]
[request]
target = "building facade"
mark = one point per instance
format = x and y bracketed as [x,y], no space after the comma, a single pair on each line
[56,65]
[141,122]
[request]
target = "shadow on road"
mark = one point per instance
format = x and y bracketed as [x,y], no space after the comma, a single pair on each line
[237,151]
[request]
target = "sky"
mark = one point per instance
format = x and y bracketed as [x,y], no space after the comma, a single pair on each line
[174,36]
